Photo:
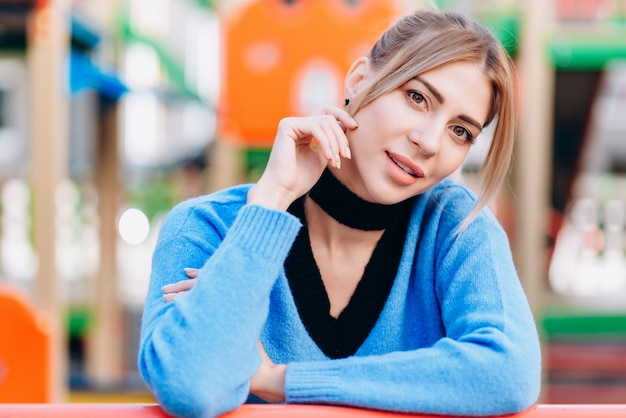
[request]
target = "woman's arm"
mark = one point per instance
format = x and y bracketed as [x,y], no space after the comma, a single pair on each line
[487,361]
[198,352]
[268,383]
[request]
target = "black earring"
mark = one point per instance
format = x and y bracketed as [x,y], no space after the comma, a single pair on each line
[346,102]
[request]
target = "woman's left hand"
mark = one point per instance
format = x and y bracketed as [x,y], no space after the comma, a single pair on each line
[268,383]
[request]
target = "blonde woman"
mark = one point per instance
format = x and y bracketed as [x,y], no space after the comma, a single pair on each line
[354,272]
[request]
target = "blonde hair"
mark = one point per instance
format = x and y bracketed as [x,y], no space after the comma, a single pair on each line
[428,39]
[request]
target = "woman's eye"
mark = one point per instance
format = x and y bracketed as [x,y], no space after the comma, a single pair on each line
[417,97]
[463,133]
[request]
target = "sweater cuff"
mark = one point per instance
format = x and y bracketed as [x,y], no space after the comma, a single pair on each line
[267,232]
[311,383]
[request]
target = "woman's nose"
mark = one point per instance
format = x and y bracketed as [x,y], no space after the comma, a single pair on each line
[427,139]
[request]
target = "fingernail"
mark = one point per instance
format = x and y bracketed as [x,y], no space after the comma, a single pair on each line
[167,288]
[191,272]
[337,161]
[168,297]
[346,152]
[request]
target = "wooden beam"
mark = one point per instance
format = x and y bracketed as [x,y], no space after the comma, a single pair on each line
[105,342]
[48,42]
[534,151]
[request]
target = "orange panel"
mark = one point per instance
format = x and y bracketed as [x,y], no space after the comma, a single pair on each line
[282,58]
[24,351]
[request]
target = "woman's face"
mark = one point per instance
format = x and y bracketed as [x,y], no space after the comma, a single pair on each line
[411,138]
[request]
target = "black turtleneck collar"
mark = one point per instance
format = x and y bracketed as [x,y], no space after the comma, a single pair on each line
[349,209]
[342,336]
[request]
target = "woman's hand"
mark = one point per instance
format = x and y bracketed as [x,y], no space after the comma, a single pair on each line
[303,147]
[268,383]
[173,290]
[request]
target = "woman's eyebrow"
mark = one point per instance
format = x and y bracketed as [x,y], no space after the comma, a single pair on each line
[441,100]
[431,88]
[471,122]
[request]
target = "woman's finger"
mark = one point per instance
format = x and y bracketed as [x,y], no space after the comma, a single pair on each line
[181,286]
[191,272]
[324,131]
[328,133]
[342,140]
[168,297]
[346,122]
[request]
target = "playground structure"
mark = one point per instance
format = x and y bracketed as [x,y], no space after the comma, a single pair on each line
[25,350]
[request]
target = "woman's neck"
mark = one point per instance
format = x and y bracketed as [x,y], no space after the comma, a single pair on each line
[345,207]
[335,236]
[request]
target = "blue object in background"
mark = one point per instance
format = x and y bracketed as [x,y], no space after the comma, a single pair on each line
[84,74]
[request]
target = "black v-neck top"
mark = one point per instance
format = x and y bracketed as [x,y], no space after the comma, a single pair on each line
[342,336]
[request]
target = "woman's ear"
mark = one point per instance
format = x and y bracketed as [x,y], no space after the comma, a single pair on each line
[356,76]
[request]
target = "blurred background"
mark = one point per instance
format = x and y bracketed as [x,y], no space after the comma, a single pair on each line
[112,111]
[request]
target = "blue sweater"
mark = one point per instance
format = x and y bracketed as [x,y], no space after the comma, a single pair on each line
[456,335]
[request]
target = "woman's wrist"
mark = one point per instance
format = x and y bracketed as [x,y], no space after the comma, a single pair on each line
[269,383]
[268,197]
[279,372]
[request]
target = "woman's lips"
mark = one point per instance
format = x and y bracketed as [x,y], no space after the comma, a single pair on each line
[406,165]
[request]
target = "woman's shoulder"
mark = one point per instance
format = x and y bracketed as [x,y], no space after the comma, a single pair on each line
[218,200]
[449,190]
[451,202]
[218,209]
[451,197]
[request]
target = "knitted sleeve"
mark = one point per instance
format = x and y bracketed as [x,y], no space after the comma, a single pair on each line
[198,352]
[487,361]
